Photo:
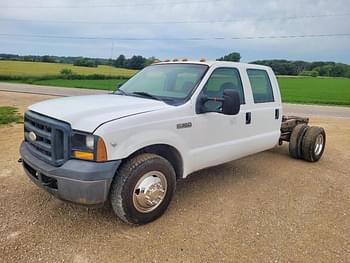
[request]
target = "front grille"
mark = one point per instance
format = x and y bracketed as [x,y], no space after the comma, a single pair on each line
[47,138]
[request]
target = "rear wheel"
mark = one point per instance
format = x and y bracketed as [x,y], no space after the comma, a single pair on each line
[314,143]
[296,139]
[143,188]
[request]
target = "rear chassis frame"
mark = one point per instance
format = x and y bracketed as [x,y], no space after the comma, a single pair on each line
[288,124]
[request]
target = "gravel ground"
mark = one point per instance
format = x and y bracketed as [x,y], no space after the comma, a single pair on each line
[263,208]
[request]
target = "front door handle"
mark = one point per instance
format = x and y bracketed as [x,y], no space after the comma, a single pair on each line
[248,117]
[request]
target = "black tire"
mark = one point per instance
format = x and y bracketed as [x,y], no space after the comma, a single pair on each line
[128,176]
[295,141]
[310,149]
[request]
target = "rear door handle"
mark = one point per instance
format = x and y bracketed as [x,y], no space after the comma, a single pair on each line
[277,114]
[248,117]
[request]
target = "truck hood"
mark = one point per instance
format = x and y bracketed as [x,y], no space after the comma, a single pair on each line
[86,113]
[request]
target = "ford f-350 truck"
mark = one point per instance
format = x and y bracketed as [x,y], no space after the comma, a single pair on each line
[171,119]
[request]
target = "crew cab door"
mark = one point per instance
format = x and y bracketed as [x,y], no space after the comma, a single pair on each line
[264,115]
[219,138]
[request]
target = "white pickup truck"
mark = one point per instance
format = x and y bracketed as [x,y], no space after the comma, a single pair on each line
[172,118]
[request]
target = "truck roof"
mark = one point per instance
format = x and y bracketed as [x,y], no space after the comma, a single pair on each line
[218,63]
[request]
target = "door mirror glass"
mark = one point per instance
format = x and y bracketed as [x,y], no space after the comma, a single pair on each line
[231,102]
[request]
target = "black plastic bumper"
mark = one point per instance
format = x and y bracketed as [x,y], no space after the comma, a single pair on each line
[77,181]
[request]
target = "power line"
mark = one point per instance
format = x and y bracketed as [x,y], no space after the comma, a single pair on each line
[177,39]
[112,5]
[175,22]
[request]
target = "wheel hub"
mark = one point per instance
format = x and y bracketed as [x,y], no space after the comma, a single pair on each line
[319,144]
[149,191]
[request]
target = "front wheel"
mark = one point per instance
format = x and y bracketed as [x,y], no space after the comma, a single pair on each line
[143,188]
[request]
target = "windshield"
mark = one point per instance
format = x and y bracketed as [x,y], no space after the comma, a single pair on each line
[168,82]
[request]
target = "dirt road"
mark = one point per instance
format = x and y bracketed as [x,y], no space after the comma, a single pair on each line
[263,208]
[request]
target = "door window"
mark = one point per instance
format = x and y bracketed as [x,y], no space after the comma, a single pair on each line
[220,80]
[261,85]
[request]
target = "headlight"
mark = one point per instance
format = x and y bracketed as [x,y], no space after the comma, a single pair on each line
[88,147]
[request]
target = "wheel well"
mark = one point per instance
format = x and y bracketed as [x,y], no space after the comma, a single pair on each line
[166,151]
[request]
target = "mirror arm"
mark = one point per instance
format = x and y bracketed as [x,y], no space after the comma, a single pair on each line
[215,99]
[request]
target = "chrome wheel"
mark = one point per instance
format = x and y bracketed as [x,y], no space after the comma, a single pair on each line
[319,144]
[149,191]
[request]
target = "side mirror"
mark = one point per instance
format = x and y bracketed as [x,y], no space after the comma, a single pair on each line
[232,103]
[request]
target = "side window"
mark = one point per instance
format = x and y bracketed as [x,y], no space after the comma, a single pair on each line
[261,85]
[221,79]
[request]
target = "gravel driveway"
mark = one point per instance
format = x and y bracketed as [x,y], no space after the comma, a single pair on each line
[263,208]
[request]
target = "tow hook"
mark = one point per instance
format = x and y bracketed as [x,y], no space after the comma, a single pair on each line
[20,160]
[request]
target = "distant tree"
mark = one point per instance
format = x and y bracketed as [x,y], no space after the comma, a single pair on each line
[300,66]
[234,56]
[120,62]
[310,73]
[28,58]
[85,62]
[136,62]
[347,74]
[338,70]
[324,70]
[48,59]
[150,61]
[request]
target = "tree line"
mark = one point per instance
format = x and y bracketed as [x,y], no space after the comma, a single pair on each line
[303,68]
[299,67]
[280,66]
[135,62]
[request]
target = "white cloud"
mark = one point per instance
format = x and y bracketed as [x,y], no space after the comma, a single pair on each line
[250,18]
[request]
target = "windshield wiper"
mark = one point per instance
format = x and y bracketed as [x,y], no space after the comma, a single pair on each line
[145,94]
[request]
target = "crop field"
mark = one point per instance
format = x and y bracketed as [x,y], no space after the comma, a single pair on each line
[334,91]
[31,69]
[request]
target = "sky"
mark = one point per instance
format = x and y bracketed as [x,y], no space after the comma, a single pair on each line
[166,29]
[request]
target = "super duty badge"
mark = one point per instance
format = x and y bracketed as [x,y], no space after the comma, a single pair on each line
[184,125]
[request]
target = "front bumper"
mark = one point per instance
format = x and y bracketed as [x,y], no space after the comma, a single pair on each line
[77,181]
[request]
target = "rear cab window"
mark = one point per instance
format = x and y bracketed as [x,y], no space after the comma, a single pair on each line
[261,85]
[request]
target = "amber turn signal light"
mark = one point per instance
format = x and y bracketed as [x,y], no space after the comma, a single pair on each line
[101,151]
[83,155]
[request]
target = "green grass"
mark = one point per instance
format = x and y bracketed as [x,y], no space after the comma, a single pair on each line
[9,115]
[332,91]
[32,69]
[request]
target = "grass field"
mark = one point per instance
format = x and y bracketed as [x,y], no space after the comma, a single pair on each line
[334,91]
[20,68]
[104,84]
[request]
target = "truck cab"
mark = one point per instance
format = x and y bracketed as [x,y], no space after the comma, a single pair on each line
[168,121]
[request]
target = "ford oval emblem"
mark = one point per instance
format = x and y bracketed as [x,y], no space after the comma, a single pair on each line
[32,136]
